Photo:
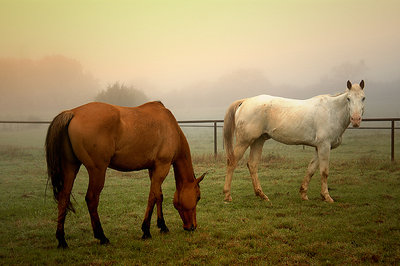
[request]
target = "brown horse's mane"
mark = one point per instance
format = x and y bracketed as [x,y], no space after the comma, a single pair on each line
[183,167]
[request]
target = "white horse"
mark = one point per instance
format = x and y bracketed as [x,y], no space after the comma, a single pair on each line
[318,122]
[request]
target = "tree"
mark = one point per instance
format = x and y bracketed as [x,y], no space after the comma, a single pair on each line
[43,87]
[122,95]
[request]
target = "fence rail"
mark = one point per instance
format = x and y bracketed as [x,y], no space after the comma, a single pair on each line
[214,125]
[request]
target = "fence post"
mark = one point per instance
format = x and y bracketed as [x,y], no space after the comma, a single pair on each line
[215,140]
[392,142]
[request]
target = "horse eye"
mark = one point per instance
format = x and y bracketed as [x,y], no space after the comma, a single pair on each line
[348,99]
[363,99]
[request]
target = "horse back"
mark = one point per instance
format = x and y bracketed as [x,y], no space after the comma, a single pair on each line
[285,120]
[123,138]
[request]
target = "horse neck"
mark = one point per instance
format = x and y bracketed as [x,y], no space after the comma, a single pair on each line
[341,111]
[183,168]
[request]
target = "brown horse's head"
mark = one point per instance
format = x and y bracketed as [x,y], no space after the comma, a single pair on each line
[185,201]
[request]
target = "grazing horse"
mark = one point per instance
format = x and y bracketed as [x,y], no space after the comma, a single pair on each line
[100,135]
[318,122]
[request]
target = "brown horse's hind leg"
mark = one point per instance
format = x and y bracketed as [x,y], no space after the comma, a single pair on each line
[96,184]
[157,176]
[70,172]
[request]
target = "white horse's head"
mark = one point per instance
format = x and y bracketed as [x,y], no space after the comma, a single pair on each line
[355,98]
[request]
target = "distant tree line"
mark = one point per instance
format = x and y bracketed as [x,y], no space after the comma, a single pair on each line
[43,87]
[46,86]
[120,94]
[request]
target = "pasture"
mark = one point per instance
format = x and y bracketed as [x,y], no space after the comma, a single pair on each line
[362,226]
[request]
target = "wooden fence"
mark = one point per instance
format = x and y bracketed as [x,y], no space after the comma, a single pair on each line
[219,123]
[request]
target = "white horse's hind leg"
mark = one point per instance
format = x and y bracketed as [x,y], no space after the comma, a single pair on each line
[255,156]
[323,156]
[312,167]
[238,152]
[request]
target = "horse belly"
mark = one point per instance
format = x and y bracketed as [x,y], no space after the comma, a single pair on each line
[290,139]
[291,134]
[137,153]
[289,122]
[133,156]
[131,163]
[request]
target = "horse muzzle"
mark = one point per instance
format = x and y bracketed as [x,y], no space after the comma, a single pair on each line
[191,228]
[355,120]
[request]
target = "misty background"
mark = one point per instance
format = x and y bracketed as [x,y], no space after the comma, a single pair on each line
[195,56]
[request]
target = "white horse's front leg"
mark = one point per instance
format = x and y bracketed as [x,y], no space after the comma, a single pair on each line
[312,167]
[323,156]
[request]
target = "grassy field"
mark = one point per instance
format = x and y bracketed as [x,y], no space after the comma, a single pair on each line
[361,227]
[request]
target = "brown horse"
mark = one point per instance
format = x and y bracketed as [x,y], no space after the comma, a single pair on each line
[100,135]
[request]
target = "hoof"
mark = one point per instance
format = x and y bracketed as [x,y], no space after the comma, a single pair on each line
[61,239]
[104,241]
[146,236]
[100,236]
[330,200]
[260,193]
[327,198]
[264,197]
[164,230]
[62,245]
[303,193]
[162,226]
[228,198]
[304,197]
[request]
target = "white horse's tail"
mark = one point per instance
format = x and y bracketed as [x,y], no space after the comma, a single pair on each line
[229,129]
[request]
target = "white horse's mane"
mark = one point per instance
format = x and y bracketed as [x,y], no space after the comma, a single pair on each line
[337,94]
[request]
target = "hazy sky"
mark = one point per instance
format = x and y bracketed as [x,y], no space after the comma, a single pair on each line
[170,44]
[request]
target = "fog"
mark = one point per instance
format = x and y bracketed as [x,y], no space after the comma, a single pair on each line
[195,56]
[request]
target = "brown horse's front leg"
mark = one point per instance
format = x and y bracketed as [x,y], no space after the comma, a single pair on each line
[160,220]
[160,217]
[157,176]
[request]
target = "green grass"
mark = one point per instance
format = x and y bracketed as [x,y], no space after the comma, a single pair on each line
[361,227]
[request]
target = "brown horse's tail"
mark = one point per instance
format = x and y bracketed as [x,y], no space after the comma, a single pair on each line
[56,136]
[229,129]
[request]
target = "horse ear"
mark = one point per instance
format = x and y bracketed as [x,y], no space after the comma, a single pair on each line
[198,180]
[362,84]
[349,85]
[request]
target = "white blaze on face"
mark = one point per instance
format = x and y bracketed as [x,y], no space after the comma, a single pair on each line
[356,97]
